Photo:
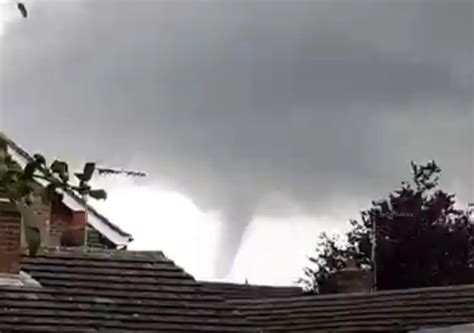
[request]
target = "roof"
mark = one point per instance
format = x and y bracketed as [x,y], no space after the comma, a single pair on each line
[75,202]
[234,291]
[469,328]
[364,312]
[113,291]
[97,290]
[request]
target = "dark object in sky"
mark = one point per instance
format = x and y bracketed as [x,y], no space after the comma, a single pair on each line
[22,9]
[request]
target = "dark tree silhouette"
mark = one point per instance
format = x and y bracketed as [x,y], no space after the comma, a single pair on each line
[421,239]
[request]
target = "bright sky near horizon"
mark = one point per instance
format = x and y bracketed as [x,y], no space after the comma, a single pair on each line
[260,123]
[273,250]
[5,15]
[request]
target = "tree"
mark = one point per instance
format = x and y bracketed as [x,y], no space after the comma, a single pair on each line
[331,258]
[40,181]
[421,239]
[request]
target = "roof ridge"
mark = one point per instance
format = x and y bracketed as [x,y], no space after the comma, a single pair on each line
[398,292]
[223,283]
[84,250]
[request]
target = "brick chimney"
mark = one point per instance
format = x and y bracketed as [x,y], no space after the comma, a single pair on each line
[74,232]
[67,227]
[10,237]
[60,217]
[352,279]
[58,224]
[38,213]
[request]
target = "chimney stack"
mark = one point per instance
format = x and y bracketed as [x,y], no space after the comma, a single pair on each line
[75,232]
[67,227]
[58,226]
[352,279]
[10,237]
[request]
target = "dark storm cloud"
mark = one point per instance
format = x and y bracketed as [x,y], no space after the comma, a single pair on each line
[230,102]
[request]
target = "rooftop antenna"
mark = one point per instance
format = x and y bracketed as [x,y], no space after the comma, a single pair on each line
[85,177]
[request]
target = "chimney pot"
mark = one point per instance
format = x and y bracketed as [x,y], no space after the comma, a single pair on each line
[351,279]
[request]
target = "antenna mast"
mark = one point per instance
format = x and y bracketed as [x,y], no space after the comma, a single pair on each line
[105,172]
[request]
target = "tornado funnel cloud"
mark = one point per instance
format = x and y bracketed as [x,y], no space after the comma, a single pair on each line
[235,221]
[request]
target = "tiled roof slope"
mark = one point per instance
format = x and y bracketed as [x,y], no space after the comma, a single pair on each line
[113,291]
[236,291]
[125,291]
[394,311]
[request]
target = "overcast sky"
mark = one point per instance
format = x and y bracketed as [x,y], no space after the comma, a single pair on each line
[281,118]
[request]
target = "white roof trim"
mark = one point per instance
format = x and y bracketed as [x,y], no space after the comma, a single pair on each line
[72,203]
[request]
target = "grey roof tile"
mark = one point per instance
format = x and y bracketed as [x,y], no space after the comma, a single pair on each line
[112,291]
[235,291]
[125,291]
[364,312]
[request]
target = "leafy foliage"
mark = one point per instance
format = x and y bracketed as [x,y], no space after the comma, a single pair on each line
[421,239]
[331,257]
[40,180]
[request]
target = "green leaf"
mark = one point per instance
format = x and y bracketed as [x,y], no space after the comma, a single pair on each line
[83,188]
[89,169]
[79,176]
[30,169]
[39,159]
[98,194]
[24,188]
[61,169]
[3,143]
